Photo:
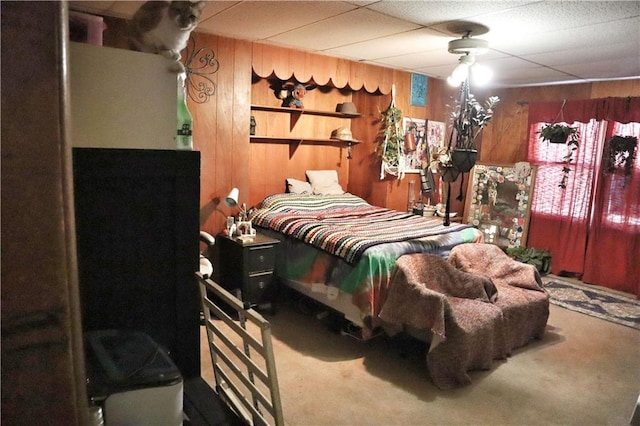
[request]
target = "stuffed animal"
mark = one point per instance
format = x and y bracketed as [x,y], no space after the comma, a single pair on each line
[293,95]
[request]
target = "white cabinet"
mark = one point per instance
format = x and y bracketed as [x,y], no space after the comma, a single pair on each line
[121,98]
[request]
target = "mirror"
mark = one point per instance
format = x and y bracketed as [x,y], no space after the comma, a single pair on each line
[498,202]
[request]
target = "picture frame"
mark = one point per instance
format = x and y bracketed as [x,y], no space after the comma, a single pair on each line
[498,202]
[415,159]
[419,90]
[436,134]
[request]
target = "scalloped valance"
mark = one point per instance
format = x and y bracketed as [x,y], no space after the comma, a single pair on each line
[286,65]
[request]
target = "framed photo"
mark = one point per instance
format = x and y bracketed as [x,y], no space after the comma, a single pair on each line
[415,153]
[436,133]
[418,90]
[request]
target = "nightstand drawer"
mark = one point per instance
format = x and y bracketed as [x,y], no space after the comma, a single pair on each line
[257,285]
[261,258]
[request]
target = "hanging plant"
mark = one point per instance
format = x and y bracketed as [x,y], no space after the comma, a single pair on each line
[559,132]
[620,152]
[469,117]
[391,147]
[562,133]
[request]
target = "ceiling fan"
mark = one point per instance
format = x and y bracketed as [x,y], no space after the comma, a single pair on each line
[468,47]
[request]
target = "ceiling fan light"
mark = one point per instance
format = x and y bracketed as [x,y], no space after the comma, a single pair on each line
[480,74]
[453,82]
[460,72]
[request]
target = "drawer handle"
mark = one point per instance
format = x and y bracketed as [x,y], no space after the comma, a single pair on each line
[261,259]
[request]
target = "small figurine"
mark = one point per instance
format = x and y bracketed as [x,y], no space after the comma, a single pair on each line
[293,95]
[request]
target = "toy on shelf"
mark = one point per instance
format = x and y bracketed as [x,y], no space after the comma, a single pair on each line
[293,94]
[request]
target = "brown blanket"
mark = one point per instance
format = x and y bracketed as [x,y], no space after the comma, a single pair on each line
[491,261]
[427,293]
[421,284]
[525,312]
[476,314]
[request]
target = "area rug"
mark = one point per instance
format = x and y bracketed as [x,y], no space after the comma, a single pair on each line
[588,300]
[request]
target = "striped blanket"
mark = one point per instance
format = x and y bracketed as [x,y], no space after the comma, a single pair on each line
[343,225]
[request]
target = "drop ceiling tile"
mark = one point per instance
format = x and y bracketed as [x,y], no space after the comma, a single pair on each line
[344,29]
[118,9]
[550,16]
[611,52]
[438,12]
[421,59]
[213,8]
[405,43]
[261,20]
[604,69]
[626,32]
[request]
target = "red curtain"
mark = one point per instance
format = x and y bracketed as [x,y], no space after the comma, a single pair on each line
[613,249]
[591,227]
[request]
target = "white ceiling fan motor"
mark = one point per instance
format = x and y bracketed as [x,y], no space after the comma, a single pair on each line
[468,45]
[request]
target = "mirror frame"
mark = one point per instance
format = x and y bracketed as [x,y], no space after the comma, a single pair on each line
[479,213]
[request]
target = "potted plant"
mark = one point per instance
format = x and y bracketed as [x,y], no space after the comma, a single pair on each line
[562,133]
[619,152]
[539,258]
[391,147]
[558,133]
[468,119]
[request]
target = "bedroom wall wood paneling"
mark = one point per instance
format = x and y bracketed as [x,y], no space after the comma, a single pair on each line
[221,130]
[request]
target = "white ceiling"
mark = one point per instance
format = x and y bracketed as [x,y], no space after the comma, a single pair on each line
[530,42]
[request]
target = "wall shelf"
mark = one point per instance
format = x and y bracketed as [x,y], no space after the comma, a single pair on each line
[300,111]
[298,141]
[294,143]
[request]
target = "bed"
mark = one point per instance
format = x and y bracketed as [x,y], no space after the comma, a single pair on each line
[341,251]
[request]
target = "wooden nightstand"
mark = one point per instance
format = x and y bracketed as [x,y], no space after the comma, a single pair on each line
[246,267]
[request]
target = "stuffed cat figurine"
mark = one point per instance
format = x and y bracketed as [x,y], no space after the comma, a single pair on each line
[164,27]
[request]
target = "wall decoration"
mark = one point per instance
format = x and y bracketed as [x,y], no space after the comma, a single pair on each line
[499,202]
[436,132]
[418,90]
[415,144]
[200,65]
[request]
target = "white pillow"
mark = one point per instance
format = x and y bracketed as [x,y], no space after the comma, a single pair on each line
[296,186]
[324,182]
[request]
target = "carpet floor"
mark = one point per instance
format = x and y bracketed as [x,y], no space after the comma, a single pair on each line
[585,371]
[595,301]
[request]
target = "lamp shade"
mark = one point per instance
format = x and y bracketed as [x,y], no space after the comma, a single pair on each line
[232,198]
